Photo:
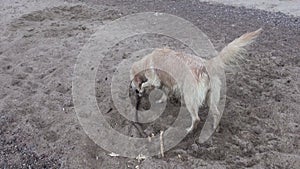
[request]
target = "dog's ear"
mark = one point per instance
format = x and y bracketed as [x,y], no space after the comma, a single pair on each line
[138,79]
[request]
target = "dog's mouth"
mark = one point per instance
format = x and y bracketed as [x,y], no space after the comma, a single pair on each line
[138,92]
[135,89]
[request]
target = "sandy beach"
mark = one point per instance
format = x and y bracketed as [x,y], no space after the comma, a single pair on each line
[39,45]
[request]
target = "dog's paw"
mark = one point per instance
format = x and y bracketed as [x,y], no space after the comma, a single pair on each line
[159,101]
[190,129]
[215,122]
[162,99]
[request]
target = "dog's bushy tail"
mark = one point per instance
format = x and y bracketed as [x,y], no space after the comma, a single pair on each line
[234,51]
[230,55]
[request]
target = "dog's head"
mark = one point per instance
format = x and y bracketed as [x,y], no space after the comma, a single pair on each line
[136,79]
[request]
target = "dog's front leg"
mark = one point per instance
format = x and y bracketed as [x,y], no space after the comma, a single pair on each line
[214,99]
[192,107]
[194,96]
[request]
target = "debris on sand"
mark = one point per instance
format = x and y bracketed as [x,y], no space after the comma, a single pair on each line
[112,154]
[140,157]
[161,143]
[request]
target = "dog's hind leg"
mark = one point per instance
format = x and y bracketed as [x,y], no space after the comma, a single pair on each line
[214,99]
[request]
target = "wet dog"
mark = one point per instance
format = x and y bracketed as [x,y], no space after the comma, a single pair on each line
[196,78]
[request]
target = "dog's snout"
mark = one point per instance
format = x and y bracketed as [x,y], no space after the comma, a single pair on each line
[134,88]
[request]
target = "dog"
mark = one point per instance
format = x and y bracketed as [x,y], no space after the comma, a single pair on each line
[196,78]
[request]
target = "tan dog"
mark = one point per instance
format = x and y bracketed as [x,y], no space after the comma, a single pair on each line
[197,79]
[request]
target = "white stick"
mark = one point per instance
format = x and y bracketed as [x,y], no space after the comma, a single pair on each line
[161,143]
